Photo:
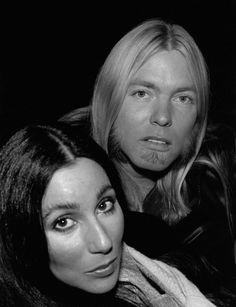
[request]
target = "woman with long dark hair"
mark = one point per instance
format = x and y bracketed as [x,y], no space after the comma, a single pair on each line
[61,229]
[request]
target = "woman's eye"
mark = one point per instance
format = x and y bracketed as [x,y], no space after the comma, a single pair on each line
[106,206]
[64,223]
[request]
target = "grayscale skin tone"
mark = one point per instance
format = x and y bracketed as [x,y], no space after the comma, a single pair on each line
[84,227]
[157,117]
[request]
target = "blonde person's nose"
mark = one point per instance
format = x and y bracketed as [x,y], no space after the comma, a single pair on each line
[98,239]
[161,114]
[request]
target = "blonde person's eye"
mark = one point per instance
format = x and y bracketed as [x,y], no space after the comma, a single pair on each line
[107,205]
[140,94]
[64,224]
[184,99]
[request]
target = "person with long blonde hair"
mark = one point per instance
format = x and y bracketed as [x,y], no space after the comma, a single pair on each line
[149,111]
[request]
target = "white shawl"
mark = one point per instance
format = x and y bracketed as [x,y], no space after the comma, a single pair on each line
[147,282]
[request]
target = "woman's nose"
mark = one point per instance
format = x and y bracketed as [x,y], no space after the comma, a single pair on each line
[161,113]
[98,238]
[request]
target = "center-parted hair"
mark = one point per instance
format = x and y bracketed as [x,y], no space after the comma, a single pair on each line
[27,163]
[130,53]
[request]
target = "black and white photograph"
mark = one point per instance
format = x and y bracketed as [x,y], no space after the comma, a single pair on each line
[118,154]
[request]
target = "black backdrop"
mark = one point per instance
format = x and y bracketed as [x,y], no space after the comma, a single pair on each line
[51,55]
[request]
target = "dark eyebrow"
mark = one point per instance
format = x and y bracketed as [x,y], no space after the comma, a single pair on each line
[60,206]
[103,190]
[74,206]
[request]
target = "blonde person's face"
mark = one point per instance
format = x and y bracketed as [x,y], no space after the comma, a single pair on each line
[84,225]
[158,113]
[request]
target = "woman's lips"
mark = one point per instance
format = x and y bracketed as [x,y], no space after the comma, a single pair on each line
[104,269]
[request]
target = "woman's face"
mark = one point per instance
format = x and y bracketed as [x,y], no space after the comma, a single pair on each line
[156,120]
[84,226]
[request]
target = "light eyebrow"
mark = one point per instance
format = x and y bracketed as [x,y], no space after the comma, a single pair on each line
[151,85]
[185,89]
[138,81]
[60,206]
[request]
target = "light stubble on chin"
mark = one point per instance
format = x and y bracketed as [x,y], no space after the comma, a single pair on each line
[116,152]
[154,157]
[183,158]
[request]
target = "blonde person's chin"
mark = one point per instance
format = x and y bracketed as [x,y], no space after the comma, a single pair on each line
[152,161]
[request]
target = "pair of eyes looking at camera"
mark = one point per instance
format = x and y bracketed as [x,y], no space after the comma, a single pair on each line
[148,94]
[66,216]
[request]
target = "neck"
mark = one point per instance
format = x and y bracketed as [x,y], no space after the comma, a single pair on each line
[136,185]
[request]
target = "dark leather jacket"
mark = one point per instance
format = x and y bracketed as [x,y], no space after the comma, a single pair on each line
[200,245]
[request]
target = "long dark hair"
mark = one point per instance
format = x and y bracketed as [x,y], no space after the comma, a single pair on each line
[27,163]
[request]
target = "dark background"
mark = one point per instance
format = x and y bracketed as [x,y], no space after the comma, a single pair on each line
[51,55]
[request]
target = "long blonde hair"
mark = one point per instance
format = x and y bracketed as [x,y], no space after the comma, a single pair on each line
[124,60]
